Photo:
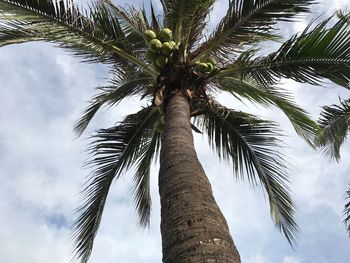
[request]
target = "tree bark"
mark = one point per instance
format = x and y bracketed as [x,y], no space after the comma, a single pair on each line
[192,226]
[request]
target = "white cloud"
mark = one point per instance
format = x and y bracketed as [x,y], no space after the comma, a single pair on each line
[257,259]
[291,260]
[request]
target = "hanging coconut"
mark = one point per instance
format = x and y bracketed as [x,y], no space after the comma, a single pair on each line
[165,35]
[155,45]
[167,49]
[149,35]
[172,43]
[161,60]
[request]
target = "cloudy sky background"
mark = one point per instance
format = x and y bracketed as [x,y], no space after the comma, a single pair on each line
[43,91]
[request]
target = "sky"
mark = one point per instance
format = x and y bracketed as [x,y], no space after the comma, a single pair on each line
[43,91]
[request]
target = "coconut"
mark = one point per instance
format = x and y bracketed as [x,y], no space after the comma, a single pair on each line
[161,61]
[165,35]
[150,55]
[149,35]
[155,45]
[172,43]
[167,49]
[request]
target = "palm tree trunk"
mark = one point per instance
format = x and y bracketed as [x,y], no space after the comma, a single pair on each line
[192,226]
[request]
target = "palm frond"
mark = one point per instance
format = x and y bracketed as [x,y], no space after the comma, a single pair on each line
[342,14]
[113,150]
[194,27]
[347,211]
[142,194]
[133,22]
[10,37]
[320,53]
[247,22]
[123,86]
[97,36]
[46,20]
[304,126]
[156,24]
[186,18]
[334,127]
[250,143]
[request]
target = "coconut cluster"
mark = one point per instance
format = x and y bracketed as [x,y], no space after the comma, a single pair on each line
[160,47]
[206,67]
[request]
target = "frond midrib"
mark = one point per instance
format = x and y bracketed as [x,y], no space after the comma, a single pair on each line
[225,72]
[221,37]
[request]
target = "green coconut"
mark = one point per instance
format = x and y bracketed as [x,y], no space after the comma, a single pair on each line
[161,61]
[155,45]
[149,35]
[172,43]
[150,55]
[167,49]
[165,35]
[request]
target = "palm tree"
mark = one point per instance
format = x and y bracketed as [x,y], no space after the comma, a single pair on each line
[334,127]
[180,87]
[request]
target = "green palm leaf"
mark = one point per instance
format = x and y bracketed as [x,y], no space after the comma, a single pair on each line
[249,89]
[334,127]
[142,195]
[114,150]
[347,211]
[247,22]
[196,21]
[97,37]
[250,143]
[186,18]
[10,36]
[133,22]
[308,58]
[123,86]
